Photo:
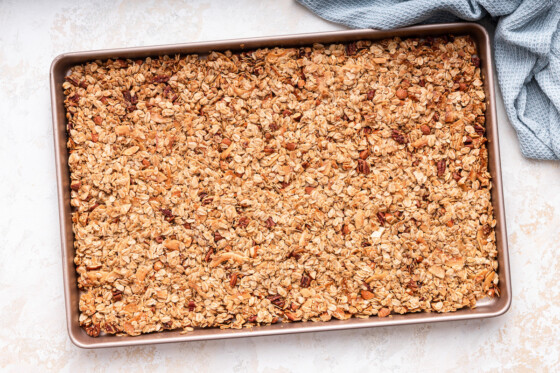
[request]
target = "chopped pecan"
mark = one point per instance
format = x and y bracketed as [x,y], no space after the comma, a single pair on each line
[351,49]
[93,330]
[345,229]
[110,328]
[270,223]
[371,94]
[309,190]
[218,237]
[191,305]
[277,300]
[160,79]
[97,120]
[381,217]
[363,167]
[479,130]
[243,222]
[305,281]
[475,60]
[441,167]
[364,154]
[168,215]
[399,137]
[209,254]
[117,295]
[71,81]
[75,186]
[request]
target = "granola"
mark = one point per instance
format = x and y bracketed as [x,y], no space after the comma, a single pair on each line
[280,185]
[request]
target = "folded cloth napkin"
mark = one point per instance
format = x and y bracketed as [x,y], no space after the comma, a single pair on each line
[526,51]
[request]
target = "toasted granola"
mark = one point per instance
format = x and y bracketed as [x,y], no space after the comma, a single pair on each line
[280,185]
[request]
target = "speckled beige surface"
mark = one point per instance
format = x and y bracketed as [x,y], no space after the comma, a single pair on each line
[32,324]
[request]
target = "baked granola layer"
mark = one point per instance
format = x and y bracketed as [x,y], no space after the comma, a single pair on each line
[280,185]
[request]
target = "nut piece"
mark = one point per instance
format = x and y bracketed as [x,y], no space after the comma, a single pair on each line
[441,168]
[290,146]
[305,281]
[399,137]
[425,129]
[172,244]
[363,167]
[270,223]
[367,295]
[233,280]
[364,154]
[384,312]
[402,93]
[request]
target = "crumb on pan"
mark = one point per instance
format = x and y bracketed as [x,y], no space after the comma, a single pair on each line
[280,185]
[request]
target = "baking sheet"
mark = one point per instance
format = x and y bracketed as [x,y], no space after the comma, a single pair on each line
[60,68]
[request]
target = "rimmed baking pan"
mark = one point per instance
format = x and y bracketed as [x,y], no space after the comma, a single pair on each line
[61,67]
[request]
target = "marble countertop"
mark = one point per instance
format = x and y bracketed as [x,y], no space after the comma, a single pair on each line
[32,324]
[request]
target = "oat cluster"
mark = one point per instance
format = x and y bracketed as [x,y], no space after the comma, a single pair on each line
[277,185]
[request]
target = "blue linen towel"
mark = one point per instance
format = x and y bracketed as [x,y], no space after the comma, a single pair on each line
[526,52]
